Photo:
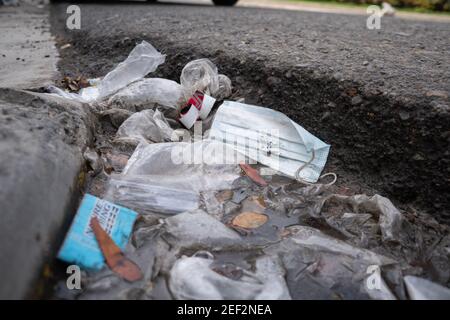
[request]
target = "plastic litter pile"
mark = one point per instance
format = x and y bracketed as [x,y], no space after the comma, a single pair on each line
[197,198]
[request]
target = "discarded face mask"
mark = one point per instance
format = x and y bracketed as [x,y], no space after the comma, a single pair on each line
[194,278]
[143,59]
[198,106]
[271,138]
[80,246]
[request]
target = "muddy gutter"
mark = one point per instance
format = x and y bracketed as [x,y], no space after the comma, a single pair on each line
[385,136]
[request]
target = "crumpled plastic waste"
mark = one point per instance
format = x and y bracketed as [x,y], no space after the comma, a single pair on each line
[358,210]
[322,267]
[423,289]
[271,138]
[150,93]
[193,278]
[387,9]
[225,87]
[197,166]
[143,59]
[145,126]
[200,75]
[196,228]
[166,178]
[147,197]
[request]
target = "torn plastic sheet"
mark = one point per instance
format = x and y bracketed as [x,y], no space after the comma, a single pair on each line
[145,126]
[199,166]
[423,289]
[147,197]
[192,278]
[321,267]
[167,178]
[271,138]
[143,59]
[150,93]
[197,228]
[388,216]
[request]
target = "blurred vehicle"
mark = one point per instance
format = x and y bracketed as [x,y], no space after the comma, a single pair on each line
[216,2]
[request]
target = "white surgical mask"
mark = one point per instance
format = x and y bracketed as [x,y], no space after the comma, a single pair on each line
[271,138]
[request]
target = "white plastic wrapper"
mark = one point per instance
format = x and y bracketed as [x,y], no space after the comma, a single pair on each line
[145,126]
[192,278]
[150,93]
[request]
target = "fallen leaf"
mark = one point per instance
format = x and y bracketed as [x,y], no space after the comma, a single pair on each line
[224,195]
[249,220]
[254,204]
[114,257]
[253,174]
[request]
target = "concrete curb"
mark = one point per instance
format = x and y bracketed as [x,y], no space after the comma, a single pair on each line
[40,164]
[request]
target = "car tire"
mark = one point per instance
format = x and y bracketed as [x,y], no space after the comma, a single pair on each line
[224,2]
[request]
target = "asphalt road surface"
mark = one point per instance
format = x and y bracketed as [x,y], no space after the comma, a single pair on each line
[379,97]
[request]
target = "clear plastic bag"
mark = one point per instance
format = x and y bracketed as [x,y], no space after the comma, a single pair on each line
[197,166]
[148,197]
[192,278]
[321,267]
[423,289]
[143,59]
[145,126]
[200,75]
[197,228]
[157,179]
[224,90]
[150,93]
[387,216]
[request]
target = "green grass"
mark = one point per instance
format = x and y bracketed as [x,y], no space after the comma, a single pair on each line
[361,5]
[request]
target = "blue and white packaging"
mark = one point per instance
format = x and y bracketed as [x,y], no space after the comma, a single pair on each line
[80,246]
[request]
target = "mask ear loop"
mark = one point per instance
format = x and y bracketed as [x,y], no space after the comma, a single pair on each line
[297,173]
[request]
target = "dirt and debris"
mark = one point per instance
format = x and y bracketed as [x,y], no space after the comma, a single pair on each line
[214,230]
